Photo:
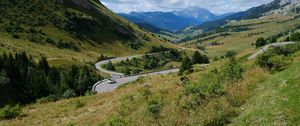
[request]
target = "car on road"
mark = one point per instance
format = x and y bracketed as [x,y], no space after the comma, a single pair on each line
[111,81]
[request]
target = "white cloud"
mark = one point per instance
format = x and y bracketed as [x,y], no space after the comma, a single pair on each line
[216,6]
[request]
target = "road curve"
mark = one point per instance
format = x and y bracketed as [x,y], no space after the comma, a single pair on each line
[119,59]
[120,78]
[103,87]
[265,48]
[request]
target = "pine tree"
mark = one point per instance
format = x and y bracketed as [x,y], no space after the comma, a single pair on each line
[4,80]
[260,42]
[186,65]
[43,65]
[198,58]
[110,66]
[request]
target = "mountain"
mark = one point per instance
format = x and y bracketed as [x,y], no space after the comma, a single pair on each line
[163,20]
[251,13]
[174,20]
[199,15]
[78,30]
[288,7]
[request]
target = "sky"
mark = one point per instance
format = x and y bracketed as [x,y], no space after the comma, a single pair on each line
[215,6]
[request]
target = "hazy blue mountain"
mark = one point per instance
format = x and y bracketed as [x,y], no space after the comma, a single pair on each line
[172,21]
[251,13]
[163,20]
[198,15]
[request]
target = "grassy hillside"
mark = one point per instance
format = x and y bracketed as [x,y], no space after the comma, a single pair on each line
[239,36]
[69,30]
[211,96]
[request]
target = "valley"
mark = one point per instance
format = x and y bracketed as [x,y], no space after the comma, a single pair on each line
[85,63]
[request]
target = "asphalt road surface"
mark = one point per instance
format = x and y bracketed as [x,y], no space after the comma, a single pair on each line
[103,87]
[265,48]
[119,59]
[120,78]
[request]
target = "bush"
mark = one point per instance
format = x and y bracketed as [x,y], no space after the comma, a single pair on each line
[116,121]
[211,85]
[278,57]
[16,36]
[126,71]
[79,104]
[110,66]
[260,42]
[232,71]
[295,37]
[43,100]
[155,49]
[186,65]
[9,112]
[154,108]
[89,93]
[69,94]
[278,62]
[230,54]
[145,92]
[198,58]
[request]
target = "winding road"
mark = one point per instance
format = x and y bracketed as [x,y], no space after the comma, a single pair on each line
[120,78]
[265,48]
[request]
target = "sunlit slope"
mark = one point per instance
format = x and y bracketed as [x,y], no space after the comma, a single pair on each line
[69,30]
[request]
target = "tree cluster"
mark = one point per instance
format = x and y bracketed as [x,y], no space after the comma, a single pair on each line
[23,81]
[277,58]
[199,58]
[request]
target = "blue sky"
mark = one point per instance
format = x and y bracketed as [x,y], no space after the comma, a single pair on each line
[215,6]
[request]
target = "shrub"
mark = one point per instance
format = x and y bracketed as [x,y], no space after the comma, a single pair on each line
[154,108]
[126,71]
[278,57]
[230,54]
[69,94]
[145,92]
[79,104]
[89,93]
[49,40]
[278,62]
[295,37]
[4,79]
[198,58]
[186,65]
[110,66]
[260,42]
[16,36]
[155,49]
[9,112]
[116,121]
[43,100]
[232,71]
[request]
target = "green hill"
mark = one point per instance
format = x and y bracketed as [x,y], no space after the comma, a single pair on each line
[226,93]
[69,30]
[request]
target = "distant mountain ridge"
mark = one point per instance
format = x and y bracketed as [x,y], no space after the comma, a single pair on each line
[255,12]
[174,20]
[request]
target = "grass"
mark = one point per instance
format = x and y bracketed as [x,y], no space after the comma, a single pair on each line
[260,98]
[108,42]
[265,99]
[275,101]
[241,41]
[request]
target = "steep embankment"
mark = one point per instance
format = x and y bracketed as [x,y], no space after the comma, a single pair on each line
[69,30]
